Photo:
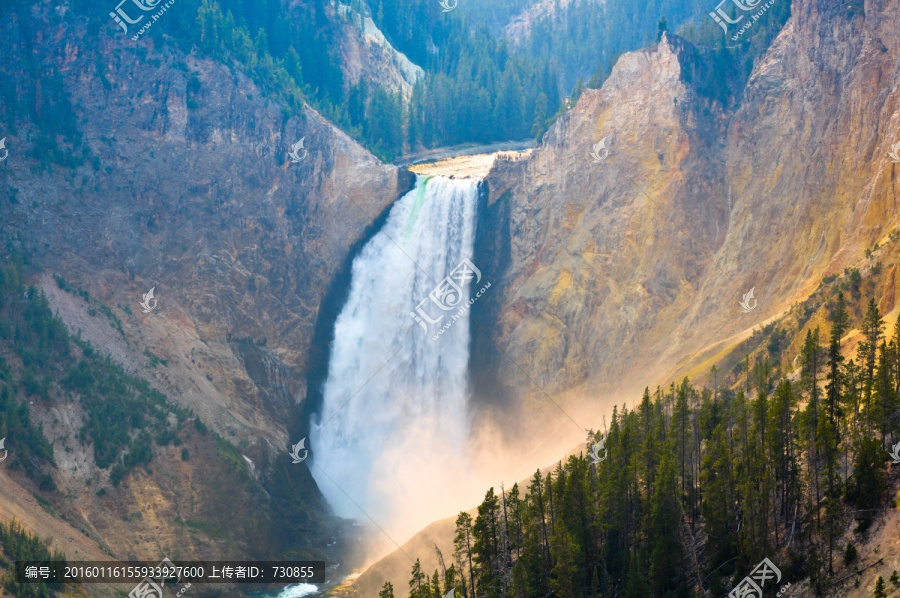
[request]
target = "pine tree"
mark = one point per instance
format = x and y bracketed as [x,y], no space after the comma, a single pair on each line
[666,559]
[782,450]
[811,361]
[637,584]
[681,431]
[539,126]
[486,546]
[839,323]
[850,554]
[462,544]
[514,506]
[895,342]
[418,581]
[451,580]
[435,585]
[867,484]
[564,569]
[357,101]
[885,399]
[833,490]
[872,334]
[718,502]
[757,483]
[415,127]
[661,28]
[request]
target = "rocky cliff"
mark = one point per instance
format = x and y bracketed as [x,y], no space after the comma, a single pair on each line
[622,266]
[624,245]
[619,249]
[612,226]
[173,173]
[366,54]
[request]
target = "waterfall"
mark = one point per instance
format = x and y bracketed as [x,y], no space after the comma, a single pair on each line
[391,433]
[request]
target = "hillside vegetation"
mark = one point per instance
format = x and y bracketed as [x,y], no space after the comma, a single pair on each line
[123,441]
[477,87]
[123,413]
[16,544]
[696,485]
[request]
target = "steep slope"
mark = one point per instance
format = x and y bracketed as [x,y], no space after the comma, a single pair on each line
[521,25]
[629,269]
[368,55]
[172,172]
[630,265]
[600,258]
[823,189]
[773,351]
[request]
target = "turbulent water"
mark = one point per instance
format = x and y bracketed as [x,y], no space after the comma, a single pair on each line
[295,591]
[393,426]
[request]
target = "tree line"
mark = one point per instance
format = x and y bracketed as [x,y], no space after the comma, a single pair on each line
[476,88]
[17,544]
[700,485]
[122,413]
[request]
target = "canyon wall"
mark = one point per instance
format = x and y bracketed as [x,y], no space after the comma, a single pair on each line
[621,269]
[172,171]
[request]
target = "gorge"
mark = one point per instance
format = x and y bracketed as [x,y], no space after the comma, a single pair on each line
[322,295]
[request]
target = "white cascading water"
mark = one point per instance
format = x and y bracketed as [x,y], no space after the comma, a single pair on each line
[390,440]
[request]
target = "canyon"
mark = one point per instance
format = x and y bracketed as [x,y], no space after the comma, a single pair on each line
[629,272]
[609,272]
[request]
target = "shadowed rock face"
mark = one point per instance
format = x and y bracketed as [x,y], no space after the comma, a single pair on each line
[196,196]
[186,187]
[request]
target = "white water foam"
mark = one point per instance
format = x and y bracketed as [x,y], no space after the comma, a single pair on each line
[389,444]
[298,591]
